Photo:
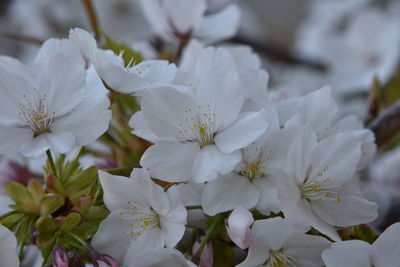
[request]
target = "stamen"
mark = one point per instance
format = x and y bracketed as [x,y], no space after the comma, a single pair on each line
[199,126]
[279,259]
[36,114]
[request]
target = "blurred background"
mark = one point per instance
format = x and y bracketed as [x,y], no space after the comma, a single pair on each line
[353,46]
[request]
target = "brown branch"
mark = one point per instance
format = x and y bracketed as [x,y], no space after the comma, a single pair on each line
[279,54]
[387,125]
[22,38]
[92,16]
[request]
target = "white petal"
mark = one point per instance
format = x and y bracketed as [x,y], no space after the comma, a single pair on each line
[113,236]
[386,250]
[35,147]
[352,253]
[185,15]
[238,227]
[173,225]
[298,160]
[228,192]
[150,240]
[351,210]
[118,190]
[304,211]
[13,139]
[219,86]
[140,128]
[165,257]
[61,142]
[153,192]
[165,109]
[188,193]
[289,194]
[335,157]
[210,162]
[52,47]
[268,201]
[317,109]
[157,17]
[220,26]
[242,132]
[88,121]
[16,90]
[8,247]
[306,249]
[63,81]
[170,161]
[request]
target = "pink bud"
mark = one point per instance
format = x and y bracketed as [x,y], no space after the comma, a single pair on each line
[60,258]
[106,261]
[238,227]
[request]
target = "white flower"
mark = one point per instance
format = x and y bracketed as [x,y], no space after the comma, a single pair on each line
[318,110]
[164,257]
[238,227]
[200,126]
[384,252]
[132,79]
[318,183]
[143,217]
[8,248]
[51,105]
[248,65]
[338,34]
[276,243]
[175,19]
[252,182]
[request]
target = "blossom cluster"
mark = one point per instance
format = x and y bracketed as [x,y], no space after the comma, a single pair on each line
[275,179]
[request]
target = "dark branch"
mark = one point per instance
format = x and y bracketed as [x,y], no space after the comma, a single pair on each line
[387,125]
[22,38]
[279,54]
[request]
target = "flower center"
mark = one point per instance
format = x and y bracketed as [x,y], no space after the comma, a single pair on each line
[253,162]
[139,219]
[279,259]
[198,126]
[320,190]
[35,113]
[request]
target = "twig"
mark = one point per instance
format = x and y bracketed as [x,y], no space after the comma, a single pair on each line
[387,125]
[22,38]
[278,53]
[92,16]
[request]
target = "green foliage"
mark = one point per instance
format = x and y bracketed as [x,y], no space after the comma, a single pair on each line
[67,209]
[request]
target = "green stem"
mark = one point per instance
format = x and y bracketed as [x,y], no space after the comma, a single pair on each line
[193,207]
[214,224]
[51,161]
[77,238]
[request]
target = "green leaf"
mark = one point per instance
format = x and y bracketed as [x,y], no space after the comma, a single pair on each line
[46,225]
[50,203]
[81,183]
[72,220]
[22,197]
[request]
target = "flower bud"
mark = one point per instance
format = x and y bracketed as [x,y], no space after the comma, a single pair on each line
[60,258]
